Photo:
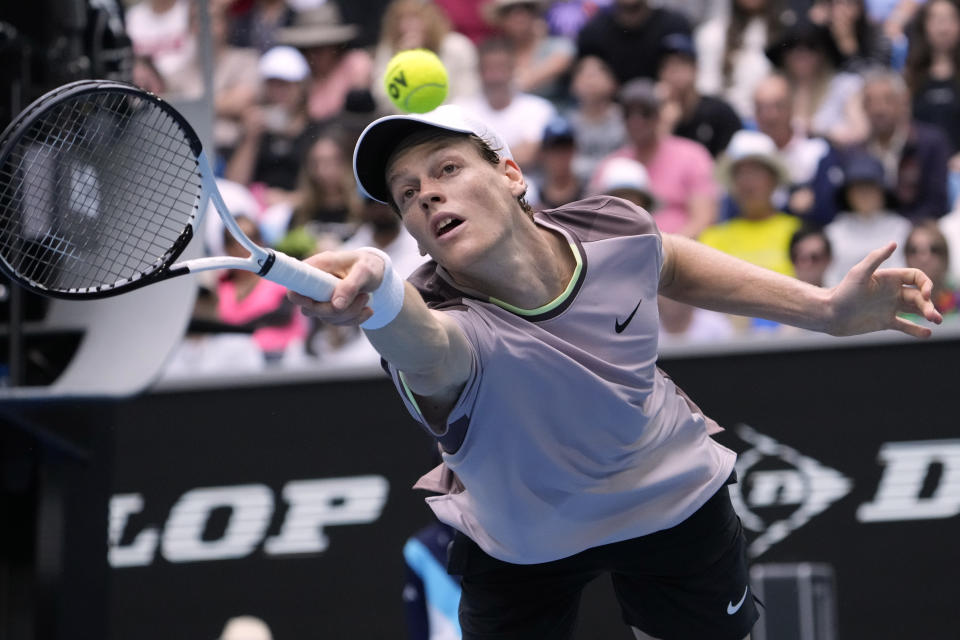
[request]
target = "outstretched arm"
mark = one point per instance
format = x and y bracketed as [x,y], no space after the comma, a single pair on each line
[868,299]
[427,346]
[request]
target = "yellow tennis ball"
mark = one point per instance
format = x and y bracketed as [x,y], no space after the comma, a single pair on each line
[416,80]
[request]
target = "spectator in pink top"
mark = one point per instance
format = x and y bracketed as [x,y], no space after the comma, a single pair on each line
[681,171]
[245,299]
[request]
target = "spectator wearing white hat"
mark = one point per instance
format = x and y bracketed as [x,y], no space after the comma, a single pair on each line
[268,156]
[627,179]
[751,171]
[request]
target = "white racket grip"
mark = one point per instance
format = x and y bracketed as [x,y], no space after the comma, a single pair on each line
[300,277]
[387,299]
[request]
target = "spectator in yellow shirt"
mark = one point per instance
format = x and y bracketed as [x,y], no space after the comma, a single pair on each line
[751,171]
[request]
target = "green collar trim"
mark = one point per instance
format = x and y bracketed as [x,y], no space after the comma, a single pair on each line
[553,304]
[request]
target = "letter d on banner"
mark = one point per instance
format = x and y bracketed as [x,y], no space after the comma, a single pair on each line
[907,465]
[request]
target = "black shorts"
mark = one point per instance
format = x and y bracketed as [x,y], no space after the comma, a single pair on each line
[689,581]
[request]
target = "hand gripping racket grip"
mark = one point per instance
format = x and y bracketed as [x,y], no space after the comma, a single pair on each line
[301,277]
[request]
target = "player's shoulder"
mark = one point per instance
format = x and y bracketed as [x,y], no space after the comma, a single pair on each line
[436,292]
[601,217]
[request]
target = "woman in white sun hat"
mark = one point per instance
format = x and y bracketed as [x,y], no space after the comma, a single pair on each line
[760,234]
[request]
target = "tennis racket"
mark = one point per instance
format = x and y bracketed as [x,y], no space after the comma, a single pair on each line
[102,186]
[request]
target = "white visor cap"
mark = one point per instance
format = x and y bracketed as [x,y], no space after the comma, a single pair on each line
[380,139]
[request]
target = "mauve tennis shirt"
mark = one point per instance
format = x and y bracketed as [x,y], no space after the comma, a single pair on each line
[567,436]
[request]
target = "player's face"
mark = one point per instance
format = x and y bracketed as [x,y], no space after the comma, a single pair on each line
[458,206]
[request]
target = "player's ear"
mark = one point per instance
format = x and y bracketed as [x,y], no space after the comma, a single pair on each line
[515,176]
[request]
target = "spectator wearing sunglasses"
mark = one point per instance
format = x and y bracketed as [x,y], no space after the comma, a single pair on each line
[810,253]
[926,249]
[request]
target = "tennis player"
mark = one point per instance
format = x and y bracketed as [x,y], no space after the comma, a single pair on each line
[527,347]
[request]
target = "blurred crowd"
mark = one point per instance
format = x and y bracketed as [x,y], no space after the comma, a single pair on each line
[795,134]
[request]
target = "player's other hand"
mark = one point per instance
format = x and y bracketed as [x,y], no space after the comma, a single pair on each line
[872,299]
[360,272]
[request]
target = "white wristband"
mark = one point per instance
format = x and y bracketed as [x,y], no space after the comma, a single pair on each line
[387,299]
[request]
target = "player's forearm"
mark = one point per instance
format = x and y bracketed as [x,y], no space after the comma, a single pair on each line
[704,277]
[428,347]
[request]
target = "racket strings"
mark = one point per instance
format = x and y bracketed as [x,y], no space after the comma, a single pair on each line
[141,234]
[58,137]
[96,193]
[135,229]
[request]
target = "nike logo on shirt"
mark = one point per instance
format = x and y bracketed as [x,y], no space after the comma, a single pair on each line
[620,327]
[733,608]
